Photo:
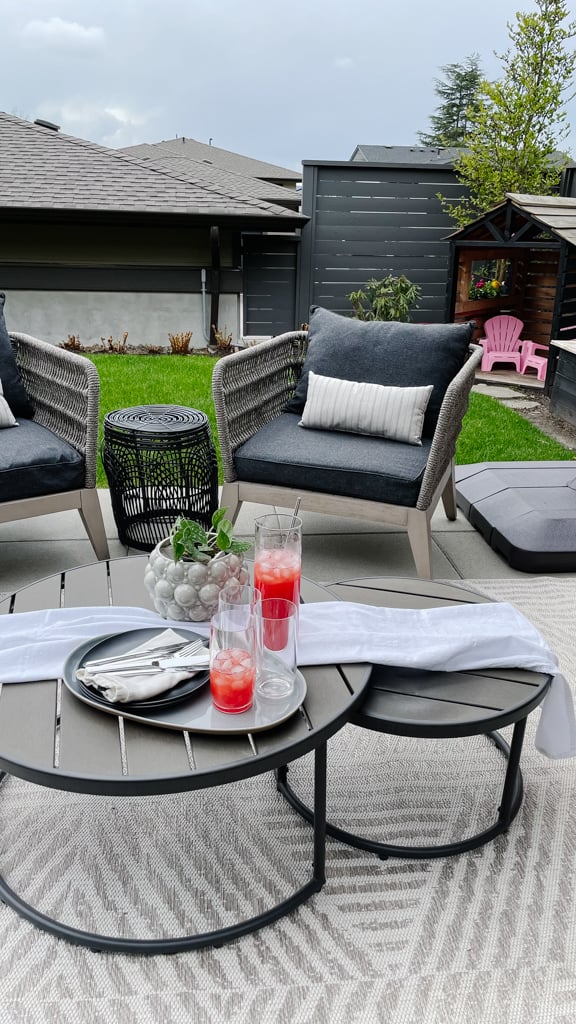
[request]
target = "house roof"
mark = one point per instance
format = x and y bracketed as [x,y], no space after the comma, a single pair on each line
[222,158]
[202,173]
[42,169]
[405,154]
[555,213]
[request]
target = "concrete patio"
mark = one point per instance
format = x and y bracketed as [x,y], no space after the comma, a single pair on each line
[333,549]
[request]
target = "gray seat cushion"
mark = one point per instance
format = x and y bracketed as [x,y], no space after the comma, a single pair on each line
[373,468]
[384,352]
[35,462]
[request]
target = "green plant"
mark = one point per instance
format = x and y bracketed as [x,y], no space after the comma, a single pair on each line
[180,343]
[482,289]
[392,298]
[192,543]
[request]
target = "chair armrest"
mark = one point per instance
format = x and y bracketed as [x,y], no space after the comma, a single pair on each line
[448,427]
[528,348]
[64,389]
[250,388]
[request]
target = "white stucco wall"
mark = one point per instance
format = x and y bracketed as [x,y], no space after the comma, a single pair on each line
[148,317]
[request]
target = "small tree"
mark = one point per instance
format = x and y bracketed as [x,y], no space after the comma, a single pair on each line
[459,95]
[520,120]
[392,298]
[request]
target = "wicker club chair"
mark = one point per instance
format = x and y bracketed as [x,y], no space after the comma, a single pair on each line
[64,389]
[251,389]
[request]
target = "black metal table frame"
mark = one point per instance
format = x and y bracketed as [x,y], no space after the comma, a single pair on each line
[181,944]
[508,808]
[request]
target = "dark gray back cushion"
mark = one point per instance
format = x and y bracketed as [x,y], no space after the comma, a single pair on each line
[14,391]
[384,352]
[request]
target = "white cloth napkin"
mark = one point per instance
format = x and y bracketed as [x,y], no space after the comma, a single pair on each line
[35,645]
[464,637]
[128,686]
[460,638]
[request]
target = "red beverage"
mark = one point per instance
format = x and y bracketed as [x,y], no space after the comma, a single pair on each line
[232,678]
[277,574]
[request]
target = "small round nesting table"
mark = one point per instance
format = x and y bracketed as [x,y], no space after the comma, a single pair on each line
[437,705]
[160,462]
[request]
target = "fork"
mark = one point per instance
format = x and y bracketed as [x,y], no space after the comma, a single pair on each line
[145,658]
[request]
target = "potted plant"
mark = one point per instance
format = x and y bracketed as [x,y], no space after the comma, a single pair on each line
[187,570]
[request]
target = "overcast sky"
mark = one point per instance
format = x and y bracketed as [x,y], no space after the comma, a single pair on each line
[283,82]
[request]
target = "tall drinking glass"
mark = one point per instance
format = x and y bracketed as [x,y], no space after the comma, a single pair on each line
[278,556]
[278,564]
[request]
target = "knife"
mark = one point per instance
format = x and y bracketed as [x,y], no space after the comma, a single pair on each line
[194,662]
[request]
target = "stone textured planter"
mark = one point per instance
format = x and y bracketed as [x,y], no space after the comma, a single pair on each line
[188,591]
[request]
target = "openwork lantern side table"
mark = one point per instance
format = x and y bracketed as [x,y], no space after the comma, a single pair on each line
[160,462]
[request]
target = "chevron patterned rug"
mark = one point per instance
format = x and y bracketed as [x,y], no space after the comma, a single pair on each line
[483,938]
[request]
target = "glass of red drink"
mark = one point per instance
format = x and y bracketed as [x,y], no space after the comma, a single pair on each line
[234,639]
[277,664]
[278,556]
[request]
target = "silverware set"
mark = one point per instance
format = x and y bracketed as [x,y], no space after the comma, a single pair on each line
[192,655]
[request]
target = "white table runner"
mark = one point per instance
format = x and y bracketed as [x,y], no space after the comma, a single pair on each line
[476,636]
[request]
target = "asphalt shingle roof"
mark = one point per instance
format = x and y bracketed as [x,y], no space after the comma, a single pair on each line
[223,158]
[405,155]
[202,173]
[43,169]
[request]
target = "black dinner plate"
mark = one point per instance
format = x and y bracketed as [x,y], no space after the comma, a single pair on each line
[179,692]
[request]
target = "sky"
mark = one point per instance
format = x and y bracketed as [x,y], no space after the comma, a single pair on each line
[281,82]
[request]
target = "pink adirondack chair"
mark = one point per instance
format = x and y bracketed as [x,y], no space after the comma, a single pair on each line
[502,342]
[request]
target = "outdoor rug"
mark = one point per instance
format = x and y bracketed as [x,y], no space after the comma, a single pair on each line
[482,938]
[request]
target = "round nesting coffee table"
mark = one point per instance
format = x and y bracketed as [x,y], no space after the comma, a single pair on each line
[50,738]
[437,705]
[160,462]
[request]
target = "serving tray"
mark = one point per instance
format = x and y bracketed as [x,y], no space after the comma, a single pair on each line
[194,712]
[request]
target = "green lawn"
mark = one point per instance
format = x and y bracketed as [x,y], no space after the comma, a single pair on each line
[491,432]
[154,380]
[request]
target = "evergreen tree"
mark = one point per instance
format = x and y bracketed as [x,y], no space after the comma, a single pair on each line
[521,119]
[458,94]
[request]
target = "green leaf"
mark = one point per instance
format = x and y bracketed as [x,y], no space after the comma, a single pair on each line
[218,517]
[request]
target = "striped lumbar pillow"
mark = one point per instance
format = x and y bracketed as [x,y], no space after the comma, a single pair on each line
[361,408]
[6,417]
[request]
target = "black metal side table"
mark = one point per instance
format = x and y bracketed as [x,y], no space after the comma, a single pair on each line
[160,462]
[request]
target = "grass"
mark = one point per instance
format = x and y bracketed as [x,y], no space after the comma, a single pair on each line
[491,432]
[154,380]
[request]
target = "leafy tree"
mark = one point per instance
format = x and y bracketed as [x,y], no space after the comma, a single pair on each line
[521,119]
[459,98]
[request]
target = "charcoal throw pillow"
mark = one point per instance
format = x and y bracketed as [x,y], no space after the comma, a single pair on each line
[384,352]
[14,391]
[360,408]
[6,417]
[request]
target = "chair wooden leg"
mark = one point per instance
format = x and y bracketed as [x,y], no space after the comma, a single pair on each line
[449,497]
[231,500]
[91,515]
[420,537]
